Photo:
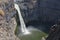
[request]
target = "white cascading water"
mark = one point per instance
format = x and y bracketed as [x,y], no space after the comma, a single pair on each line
[23,26]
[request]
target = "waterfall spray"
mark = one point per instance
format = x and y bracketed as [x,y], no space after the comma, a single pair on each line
[23,26]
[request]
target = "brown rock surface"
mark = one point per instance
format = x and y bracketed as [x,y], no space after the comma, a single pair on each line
[7,29]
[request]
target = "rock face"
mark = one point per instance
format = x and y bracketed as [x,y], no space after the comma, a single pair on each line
[54,33]
[28,9]
[7,29]
[7,23]
[43,11]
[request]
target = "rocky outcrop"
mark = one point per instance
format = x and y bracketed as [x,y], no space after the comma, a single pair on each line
[54,33]
[7,29]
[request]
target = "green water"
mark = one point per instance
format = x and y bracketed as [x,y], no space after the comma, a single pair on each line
[35,35]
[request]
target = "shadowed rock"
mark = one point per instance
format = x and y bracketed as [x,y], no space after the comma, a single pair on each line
[54,33]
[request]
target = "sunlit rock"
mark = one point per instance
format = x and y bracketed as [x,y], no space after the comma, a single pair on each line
[7,30]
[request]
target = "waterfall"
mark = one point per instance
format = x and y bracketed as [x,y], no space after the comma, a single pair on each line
[23,26]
